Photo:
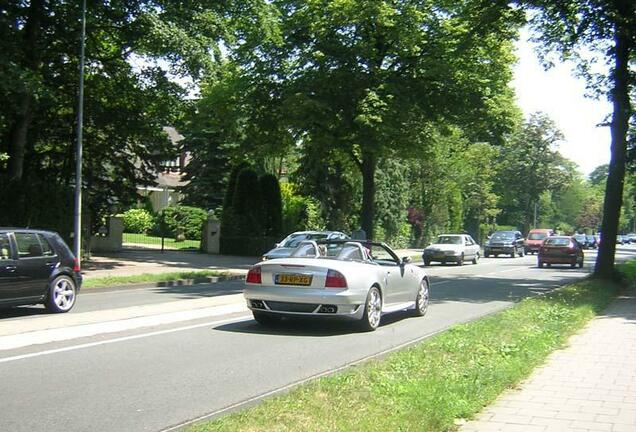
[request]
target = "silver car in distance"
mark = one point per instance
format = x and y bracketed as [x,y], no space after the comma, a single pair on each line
[359,280]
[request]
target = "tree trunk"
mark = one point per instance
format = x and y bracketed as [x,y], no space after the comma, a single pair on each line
[18,138]
[369,164]
[32,62]
[620,123]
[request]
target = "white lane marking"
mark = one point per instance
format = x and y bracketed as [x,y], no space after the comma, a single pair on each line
[37,337]
[123,339]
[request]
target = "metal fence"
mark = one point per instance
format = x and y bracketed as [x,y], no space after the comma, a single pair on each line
[160,239]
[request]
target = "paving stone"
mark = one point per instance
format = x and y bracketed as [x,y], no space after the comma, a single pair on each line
[594,426]
[589,386]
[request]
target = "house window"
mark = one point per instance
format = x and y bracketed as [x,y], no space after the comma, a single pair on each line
[173,165]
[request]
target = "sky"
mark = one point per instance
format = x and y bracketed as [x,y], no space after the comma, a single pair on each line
[559,94]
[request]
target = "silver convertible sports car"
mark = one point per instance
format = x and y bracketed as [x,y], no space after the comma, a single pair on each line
[359,280]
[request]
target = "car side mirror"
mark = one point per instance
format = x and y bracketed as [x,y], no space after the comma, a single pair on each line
[406,260]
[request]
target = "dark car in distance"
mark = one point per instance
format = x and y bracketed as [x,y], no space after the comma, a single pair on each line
[37,267]
[592,241]
[583,240]
[505,243]
[561,250]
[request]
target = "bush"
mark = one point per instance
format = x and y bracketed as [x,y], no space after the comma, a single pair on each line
[184,220]
[247,246]
[227,214]
[247,206]
[138,221]
[272,205]
[299,212]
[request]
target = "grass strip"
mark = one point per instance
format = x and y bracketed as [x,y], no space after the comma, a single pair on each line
[450,376]
[148,278]
[169,243]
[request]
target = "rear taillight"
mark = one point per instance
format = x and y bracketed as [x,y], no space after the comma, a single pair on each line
[254,275]
[335,279]
[76,265]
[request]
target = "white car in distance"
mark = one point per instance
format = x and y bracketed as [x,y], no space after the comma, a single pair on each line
[456,248]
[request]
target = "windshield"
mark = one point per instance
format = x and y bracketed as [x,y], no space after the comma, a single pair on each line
[454,240]
[503,235]
[580,237]
[306,250]
[350,252]
[295,240]
[537,236]
[558,242]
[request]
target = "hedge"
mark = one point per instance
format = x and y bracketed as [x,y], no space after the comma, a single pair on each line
[247,246]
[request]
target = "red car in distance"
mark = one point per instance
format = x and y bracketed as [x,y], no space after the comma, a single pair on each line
[561,250]
[535,238]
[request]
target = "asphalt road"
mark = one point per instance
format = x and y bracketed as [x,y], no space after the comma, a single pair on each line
[152,378]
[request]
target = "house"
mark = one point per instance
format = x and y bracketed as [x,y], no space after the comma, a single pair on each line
[164,192]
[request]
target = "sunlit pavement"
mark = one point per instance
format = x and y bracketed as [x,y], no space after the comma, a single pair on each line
[155,358]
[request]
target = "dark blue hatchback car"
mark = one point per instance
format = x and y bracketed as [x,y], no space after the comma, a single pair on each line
[37,267]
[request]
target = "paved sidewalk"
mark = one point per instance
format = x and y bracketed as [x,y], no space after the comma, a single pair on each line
[588,386]
[135,262]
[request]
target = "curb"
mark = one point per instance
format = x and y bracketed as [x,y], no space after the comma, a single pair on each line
[163,284]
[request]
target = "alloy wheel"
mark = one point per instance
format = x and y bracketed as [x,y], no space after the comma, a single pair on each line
[373,309]
[422,299]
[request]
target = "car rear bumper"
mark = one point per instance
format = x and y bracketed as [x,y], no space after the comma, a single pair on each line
[560,259]
[499,250]
[77,277]
[441,258]
[306,301]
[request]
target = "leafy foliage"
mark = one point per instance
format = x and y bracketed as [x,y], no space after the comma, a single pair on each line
[247,205]
[360,78]
[128,96]
[138,221]
[299,212]
[529,166]
[184,220]
[272,205]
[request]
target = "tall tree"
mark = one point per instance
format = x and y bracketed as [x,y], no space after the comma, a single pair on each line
[607,29]
[134,51]
[529,165]
[362,76]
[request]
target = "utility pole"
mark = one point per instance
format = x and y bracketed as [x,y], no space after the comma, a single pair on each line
[78,150]
[534,225]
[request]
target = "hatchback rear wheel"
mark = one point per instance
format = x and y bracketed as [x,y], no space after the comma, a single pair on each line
[61,295]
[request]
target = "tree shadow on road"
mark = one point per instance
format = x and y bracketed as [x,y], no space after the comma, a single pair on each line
[188,292]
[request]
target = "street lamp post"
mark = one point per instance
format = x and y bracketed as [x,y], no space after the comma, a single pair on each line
[78,150]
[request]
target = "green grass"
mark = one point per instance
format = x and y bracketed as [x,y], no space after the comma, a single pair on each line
[148,277]
[428,386]
[143,239]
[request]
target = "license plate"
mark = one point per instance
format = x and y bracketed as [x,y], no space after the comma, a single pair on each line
[292,279]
